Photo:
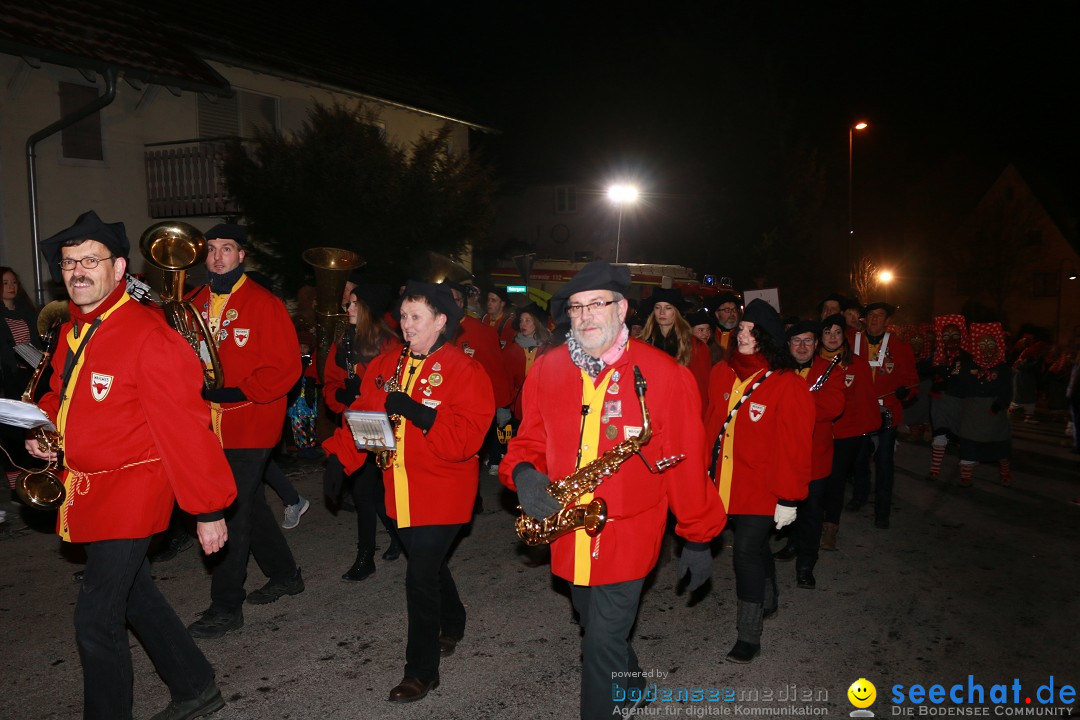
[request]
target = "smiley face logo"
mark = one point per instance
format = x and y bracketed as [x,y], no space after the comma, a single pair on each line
[862,693]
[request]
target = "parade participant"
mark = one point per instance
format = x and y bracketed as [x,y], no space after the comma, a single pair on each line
[443,409]
[667,329]
[853,314]
[580,402]
[759,440]
[500,314]
[703,324]
[260,359]
[532,340]
[124,396]
[804,538]
[727,318]
[946,402]
[986,380]
[19,327]
[851,431]
[831,305]
[369,335]
[892,365]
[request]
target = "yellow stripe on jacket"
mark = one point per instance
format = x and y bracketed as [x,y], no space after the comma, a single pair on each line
[593,397]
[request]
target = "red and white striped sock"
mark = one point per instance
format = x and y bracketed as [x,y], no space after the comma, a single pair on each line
[1005,469]
[12,476]
[966,468]
[937,454]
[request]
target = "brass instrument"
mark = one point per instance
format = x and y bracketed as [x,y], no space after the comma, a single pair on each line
[173,248]
[591,517]
[385,458]
[332,266]
[43,488]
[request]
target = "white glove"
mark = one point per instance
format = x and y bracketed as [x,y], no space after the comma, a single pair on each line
[784,515]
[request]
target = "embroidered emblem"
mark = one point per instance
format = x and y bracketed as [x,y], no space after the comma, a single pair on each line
[431,403]
[465,348]
[241,336]
[727,396]
[615,376]
[231,314]
[427,391]
[889,365]
[435,379]
[379,381]
[436,367]
[100,385]
[612,432]
[848,380]
[631,431]
[613,408]
[756,411]
[613,389]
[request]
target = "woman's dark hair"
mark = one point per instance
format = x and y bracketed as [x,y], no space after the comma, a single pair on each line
[371,332]
[778,358]
[22,298]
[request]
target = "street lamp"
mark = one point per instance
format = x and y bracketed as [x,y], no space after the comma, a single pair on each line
[621,195]
[884,278]
[860,126]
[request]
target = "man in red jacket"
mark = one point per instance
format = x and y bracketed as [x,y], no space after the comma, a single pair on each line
[579,402]
[260,358]
[124,397]
[892,363]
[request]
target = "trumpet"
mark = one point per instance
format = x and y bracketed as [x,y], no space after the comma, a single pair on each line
[42,488]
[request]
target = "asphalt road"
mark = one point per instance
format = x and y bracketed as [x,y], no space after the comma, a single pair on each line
[977,581]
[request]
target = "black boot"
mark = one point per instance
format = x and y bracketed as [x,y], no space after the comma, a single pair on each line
[363,567]
[393,552]
[772,598]
[748,622]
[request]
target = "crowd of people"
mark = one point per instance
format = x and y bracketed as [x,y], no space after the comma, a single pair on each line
[617,424]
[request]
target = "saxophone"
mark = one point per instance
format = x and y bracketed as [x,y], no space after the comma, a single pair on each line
[43,489]
[385,458]
[591,517]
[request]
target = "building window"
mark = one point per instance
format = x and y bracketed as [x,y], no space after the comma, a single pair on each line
[1044,284]
[241,115]
[566,199]
[81,141]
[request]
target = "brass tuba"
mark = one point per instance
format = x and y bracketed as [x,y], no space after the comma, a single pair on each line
[43,488]
[332,266]
[174,247]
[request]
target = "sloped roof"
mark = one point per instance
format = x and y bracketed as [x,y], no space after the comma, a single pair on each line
[95,35]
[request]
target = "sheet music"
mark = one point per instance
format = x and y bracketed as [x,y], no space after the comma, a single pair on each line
[30,354]
[23,415]
[371,430]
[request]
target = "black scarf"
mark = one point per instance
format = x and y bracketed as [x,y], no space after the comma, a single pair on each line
[223,284]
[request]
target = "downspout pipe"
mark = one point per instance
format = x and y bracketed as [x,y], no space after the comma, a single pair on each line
[31,167]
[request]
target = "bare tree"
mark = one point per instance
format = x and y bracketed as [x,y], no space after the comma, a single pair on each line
[864,278]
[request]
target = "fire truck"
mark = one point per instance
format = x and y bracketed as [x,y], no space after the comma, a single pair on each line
[544,277]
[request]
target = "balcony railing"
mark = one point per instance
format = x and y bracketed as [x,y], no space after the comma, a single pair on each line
[184,179]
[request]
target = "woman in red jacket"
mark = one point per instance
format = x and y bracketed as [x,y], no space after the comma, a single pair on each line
[667,329]
[346,364]
[758,435]
[532,340]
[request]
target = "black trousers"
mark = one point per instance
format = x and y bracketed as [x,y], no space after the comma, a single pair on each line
[431,596]
[883,446]
[253,528]
[606,613]
[752,556]
[117,590]
[369,497]
[806,530]
[845,453]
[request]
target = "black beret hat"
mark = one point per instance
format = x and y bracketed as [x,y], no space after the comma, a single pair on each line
[834,319]
[87,227]
[228,231]
[767,320]
[538,313]
[500,292]
[703,316]
[835,297]
[440,298]
[597,275]
[804,326]
[850,304]
[669,295]
[889,309]
[376,297]
[726,297]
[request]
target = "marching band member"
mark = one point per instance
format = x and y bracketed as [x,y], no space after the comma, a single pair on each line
[124,396]
[667,329]
[443,404]
[260,358]
[727,317]
[499,315]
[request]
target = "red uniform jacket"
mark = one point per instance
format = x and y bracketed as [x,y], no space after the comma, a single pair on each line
[434,477]
[861,414]
[700,367]
[551,434]
[829,404]
[514,358]
[260,355]
[481,343]
[896,370]
[136,431]
[503,325]
[726,338]
[773,439]
[334,375]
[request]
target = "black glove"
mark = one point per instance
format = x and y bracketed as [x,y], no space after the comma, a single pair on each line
[532,491]
[696,559]
[350,392]
[420,415]
[333,477]
[224,395]
[902,393]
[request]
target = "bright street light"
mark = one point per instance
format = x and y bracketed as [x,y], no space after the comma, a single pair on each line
[621,195]
[860,126]
[884,278]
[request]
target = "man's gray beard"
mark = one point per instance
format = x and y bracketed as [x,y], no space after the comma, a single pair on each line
[611,332]
[729,327]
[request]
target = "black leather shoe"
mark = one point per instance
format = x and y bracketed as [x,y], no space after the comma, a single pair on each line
[209,701]
[176,545]
[393,552]
[804,578]
[881,523]
[362,568]
[411,689]
[448,644]
[743,652]
[273,591]
[215,622]
[788,552]
[854,505]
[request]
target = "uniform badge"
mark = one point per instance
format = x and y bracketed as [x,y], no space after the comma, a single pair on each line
[631,431]
[241,336]
[222,335]
[612,408]
[615,376]
[848,380]
[435,379]
[437,367]
[379,381]
[889,365]
[468,350]
[100,385]
[231,314]
[613,389]
[727,396]
[431,403]
[612,432]
[427,392]
[756,411]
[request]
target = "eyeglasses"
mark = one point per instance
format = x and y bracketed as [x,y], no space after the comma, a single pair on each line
[802,341]
[89,263]
[594,307]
